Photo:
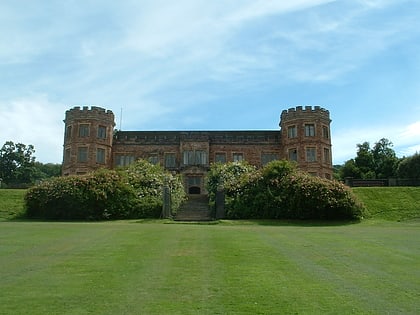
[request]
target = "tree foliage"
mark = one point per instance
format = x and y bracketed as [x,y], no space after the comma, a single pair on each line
[370,163]
[17,163]
[410,167]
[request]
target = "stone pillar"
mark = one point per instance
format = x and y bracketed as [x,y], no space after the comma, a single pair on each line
[220,205]
[166,208]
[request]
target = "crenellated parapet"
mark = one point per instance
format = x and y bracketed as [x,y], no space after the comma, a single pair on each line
[307,112]
[94,112]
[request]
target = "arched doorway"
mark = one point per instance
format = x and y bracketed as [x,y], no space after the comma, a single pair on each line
[194,190]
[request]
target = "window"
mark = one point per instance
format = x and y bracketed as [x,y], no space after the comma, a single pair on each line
[268,157]
[201,157]
[188,158]
[67,156]
[327,158]
[293,154]
[170,160]
[309,130]
[198,157]
[238,157]
[68,132]
[82,154]
[310,154]
[100,156]
[154,159]
[101,132]
[83,130]
[124,160]
[220,158]
[292,132]
[325,132]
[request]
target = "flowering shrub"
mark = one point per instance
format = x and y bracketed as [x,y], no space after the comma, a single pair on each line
[135,192]
[280,191]
[147,181]
[99,195]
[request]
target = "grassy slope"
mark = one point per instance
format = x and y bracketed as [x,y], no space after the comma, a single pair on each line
[155,268]
[11,203]
[391,203]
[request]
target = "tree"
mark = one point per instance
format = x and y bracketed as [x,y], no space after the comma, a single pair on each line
[385,159]
[364,160]
[17,163]
[410,167]
[377,162]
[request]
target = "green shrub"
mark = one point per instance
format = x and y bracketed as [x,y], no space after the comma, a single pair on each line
[135,192]
[280,191]
[95,196]
[147,180]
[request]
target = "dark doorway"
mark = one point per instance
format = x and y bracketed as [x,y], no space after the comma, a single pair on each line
[194,190]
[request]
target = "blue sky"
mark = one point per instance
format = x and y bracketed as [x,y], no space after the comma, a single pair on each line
[211,65]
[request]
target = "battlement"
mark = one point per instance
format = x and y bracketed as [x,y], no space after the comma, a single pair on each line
[94,112]
[300,112]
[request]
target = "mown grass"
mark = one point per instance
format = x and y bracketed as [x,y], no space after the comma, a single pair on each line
[156,268]
[391,203]
[11,203]
[232,267]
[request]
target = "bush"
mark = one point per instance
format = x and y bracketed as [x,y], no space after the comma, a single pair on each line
[280,191]
[135,192]
[147,181]
[96,196]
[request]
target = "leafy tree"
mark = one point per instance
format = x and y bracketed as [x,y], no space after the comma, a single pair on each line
[17,163]
[410,167]
[369,163]
[44,171]
[350,169]
[385,159]
[364,160]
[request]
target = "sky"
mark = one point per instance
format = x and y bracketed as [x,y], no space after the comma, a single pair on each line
[211,65]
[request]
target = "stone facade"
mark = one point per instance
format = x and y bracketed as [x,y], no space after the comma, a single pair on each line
[91,143]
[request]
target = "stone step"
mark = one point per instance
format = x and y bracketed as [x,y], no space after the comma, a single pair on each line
[196,208]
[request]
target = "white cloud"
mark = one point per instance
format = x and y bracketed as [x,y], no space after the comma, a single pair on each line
[37,121]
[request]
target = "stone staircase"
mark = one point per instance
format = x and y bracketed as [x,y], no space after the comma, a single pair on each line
[196,208]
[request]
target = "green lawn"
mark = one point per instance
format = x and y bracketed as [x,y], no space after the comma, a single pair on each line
[225,268]
[11,203]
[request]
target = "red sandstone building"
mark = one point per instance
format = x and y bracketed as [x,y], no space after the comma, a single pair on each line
[91,143]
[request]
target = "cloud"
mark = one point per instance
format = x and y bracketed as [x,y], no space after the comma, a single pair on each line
[37,121]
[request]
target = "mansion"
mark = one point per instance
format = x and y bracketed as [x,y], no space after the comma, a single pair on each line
[90,142]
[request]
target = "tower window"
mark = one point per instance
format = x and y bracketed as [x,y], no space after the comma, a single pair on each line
[102,132]
[100,156]
[82,154]
[83,130]
[327,158]
[68,132]
[67,155]
[310,154]
[325,132]
[292,132]
[309,130]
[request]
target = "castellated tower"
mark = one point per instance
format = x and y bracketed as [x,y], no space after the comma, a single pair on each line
[306,139]
[87,140]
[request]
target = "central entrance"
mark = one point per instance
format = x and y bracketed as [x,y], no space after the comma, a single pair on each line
[194,185]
